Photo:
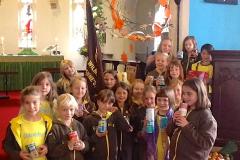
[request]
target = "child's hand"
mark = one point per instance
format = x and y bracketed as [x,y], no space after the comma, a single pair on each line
[79,145]
[42,150]
[181,121]
[79,113]
[25,155]
[176,115]
[149,80]
[101,134]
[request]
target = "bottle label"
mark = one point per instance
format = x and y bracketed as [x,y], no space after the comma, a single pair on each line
[102,126]
[32,149]
[163,122]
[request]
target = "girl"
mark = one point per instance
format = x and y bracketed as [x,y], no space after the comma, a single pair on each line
[122,95]
[198,129]
[101,128]
[205,65]
[68,138]
[176,85]
[190,54]
[143,143]
[110,79]
[19,140]
[165,102]
[48,88]
[137,91]
[79,89]
[68,71]
[161,60]
[174,71]
[136,105]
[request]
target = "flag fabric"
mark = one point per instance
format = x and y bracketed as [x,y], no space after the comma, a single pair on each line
[94,69]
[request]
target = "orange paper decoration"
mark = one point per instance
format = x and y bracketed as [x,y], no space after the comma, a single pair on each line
[157,29]
[167,11]
[163,2]
[124,57]
[118,22]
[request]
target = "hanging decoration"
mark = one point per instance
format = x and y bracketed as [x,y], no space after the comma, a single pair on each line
[120,23]
[124,57]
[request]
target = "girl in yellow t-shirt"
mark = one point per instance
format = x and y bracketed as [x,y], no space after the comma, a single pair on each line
[26,134]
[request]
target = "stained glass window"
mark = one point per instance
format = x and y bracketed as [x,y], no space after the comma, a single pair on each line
[78,24]
[26,24]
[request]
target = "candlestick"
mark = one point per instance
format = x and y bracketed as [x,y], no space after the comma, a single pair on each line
[2,45]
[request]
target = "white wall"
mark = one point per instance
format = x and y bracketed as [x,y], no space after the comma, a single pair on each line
[54,23]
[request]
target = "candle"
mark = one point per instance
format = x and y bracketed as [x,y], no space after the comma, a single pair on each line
[56,40]
[2,39]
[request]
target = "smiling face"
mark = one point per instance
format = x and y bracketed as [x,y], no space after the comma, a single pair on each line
[109,80]
[45,86]
[189,96]
[166,46]
[121,95]
[79,89]
[137,91]
[149,99]
[163,103]
[31,105]
[174,71]
[69,71]
[161,61]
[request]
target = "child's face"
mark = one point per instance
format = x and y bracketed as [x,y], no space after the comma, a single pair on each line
[166,46]
[121,95]
[138,90]
[69,71]
[161,62]
[189,96]
[79,89]
[109,80]
[66,113]
[206,57]
[104,106]
[174,72]
[149,99]
[45,86]
[163,102]
[178,92]
[189,46]
[31,105]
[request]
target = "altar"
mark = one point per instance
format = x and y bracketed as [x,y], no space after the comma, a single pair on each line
[25,67]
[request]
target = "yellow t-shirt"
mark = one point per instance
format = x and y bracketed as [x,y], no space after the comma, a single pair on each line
[45,108]
[33,132]
[208,69]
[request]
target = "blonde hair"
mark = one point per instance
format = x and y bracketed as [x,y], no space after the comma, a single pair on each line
[165,55]
[65,63]
[149,88]
[76,79]
[64,81]
[65,99]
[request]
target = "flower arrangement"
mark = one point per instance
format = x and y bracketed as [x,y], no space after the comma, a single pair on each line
[100,25]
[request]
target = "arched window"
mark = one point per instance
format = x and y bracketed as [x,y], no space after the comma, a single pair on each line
[78,16]
[26,24]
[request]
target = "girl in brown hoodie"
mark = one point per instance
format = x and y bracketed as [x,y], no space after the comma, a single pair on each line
[193,135]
